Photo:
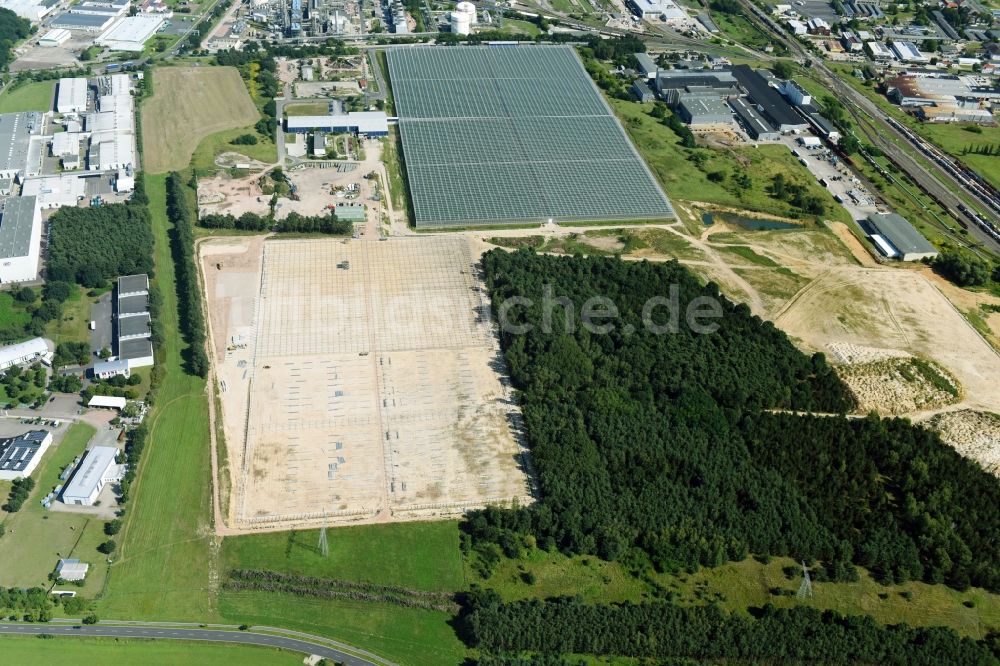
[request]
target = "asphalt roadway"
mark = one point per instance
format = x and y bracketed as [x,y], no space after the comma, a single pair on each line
[185,634]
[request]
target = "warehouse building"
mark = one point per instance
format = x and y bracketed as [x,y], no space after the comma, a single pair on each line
[779,113]
[72,95]
[362,123]
[642,92]
[131,33]
[879,51]
[896,238]
[133,322]
[55,37]
[72,570]
[20,239]
[109,369]
[96,471]
[82,22]
[33,10]
[699,110]
[908,52]
[755,124]
[28,351]
[19,456]
[16,130]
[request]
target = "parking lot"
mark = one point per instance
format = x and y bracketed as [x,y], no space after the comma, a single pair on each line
[838,179]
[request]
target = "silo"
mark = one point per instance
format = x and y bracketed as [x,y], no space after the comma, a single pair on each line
[469,9]
[460,24]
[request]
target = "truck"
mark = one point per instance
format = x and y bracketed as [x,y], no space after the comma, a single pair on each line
[93,325]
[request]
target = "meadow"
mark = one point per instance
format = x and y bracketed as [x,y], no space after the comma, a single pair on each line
[34,96]
[188,104]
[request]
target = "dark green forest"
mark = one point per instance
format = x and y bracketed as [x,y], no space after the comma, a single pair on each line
[660,450]
[664,630]
[12,30]
[192,318]
[93,245]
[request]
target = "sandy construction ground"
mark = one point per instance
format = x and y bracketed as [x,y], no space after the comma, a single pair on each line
[359,381]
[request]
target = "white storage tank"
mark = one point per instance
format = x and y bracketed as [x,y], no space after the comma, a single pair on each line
[460,24]
[469,9]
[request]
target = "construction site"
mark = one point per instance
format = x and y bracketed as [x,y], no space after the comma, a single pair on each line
[359,382]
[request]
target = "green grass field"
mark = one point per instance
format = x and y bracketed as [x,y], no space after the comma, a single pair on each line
[307,109]
[682,180]
[162,568]
[422,556]
[37,537]
[12,313]
[18,650]
[36,96]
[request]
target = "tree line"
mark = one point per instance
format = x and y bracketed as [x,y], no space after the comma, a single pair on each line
[663,630]
[192,318]
[12,30]
[658,449]
[293,223]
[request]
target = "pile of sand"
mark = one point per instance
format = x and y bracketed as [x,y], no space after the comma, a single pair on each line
[901,385]
[973,434]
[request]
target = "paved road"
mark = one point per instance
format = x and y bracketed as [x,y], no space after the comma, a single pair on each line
[178,633]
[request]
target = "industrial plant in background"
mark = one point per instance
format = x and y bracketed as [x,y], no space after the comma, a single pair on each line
[463,18]
[308,18]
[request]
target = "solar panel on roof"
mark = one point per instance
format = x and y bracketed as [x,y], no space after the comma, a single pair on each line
[512,135]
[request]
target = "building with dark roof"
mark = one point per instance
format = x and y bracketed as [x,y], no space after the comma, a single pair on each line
[755,124]
[698,109]
[133,305]
[20,239]
[20,455]
[642,92]
[132,321]
[896,238]
[769,101]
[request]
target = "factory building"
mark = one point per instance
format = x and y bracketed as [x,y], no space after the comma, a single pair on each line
[879,52]
[647,66]
[795,93]
[55,191]
[756,126]
[33,10]
[19,456]
[363,123]
[663,10]
[82,22]
[896,238]
[112,127]
[670,83]
[131,33]
[96,471]
[699,110]
[20,239]
[109,369]
[771,105]
[72,95]
[642,92]
[28,351]
[66,146]
[16,130]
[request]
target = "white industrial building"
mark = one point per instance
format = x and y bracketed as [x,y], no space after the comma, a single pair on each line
[33,10]
[35,349]
[364,123]
[131,33]
[112,127]
[16,130]
[96,471]
[72,95]
[463,18]
[55,37]
[72,570]
[795,93]
[66,146]
[908,52]
[20,239]
[107,402]
[55,191]
[879,51]
[109,369]
[19,455]
[664,10]
[896,238]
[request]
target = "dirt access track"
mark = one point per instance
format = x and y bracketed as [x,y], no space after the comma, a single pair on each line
[188,104]
[360,381]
